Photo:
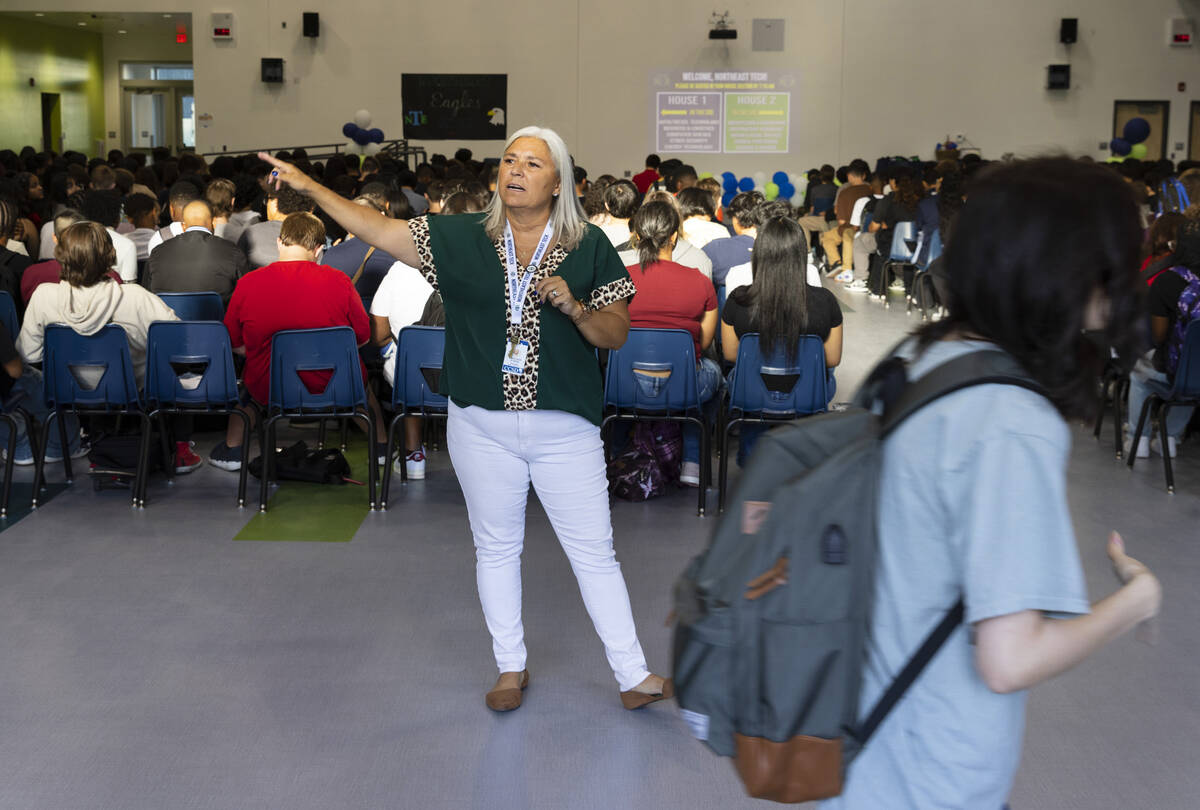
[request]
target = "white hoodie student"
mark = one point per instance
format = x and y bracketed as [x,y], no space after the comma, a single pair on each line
[87,310]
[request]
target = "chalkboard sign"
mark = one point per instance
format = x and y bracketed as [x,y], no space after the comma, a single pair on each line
[454,106]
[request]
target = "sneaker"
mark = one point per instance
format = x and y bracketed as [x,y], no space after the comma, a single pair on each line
[858,285]
[22,455]
[689,473]
[414,465]
[79,452]
[224,457]
[846,276]
[898,284]
[1156,446]
[185,459]
[1143,450]
[833,268]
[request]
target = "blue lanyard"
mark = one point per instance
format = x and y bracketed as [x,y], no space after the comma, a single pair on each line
[518,283]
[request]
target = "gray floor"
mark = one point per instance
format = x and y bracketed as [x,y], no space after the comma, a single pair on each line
[152,662]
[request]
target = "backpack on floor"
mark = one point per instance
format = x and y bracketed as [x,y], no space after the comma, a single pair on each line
[298,463]
[1188,310]
[651,464]
[772,619]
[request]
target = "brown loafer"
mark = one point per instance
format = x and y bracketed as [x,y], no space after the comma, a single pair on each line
[636,700]
[505,700]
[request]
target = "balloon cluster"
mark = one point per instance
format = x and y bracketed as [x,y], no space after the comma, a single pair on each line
[362,138]
[1131,143]
[781,185]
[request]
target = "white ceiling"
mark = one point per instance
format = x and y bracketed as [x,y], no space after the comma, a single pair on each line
[110,22]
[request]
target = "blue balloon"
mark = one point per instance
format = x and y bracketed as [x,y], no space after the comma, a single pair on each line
[1120,146]
[780,179]
[727,176]
[376,135]
[787,191]
[746,184]
[727,198]
[348,129]
[361,136]
[730,185]
[1136,130]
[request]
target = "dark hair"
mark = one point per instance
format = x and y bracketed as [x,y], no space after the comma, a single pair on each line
[462,155]
[696,202]
[681,173]
[182,193]
[1163,233]
[579,173]
[859,166]
[653,161]
[9,214]
[86,254]
[908,188]
[1019,219]
[778,296]
[778,208]
[949,202]
[654,224]
[138,205]
[745,208]
[103,206]
[593,198]
[289,201]
[462,203]
[827,174]
[842,174]
[621,199]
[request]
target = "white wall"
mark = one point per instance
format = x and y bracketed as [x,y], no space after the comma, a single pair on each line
[875,77]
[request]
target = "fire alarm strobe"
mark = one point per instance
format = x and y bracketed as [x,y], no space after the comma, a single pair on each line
[222,25]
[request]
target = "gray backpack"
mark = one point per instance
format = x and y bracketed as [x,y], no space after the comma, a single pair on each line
[773,618]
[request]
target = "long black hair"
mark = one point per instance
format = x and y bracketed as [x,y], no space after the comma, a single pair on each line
[653,225]
[1034,244]
[778,297]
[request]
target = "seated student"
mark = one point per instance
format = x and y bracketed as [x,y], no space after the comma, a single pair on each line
[13,265]
[671,296]
[365,264]
[141,211]
[246,196]
[64,191]
[21,386]
[974,490]
[87,299]
[260,241]
[819,199]
[1160,246]
[685,253]
[781,306]
[742,275]
[731,251]
[197,260]
[1169,313]
[643,180]
[50,272]
[182,193]
[408,186]
[219,194]
[315,296]
[105,207]
[898,206]
[620,204]
[841,235]
[696,207]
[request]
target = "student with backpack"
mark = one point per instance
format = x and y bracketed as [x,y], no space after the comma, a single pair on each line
[865,627]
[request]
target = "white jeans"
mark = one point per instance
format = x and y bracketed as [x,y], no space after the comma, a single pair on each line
[496,455]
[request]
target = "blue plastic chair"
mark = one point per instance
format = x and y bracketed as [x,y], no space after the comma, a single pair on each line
[769,389]
[924,295]
[189,369]
[330,349]
[653,377]
[903,252]
[195,306]
[8,314]
[419,352]
[70,359]
[1184,391]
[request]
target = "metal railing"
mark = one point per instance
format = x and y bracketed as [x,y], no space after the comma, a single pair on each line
[396,149]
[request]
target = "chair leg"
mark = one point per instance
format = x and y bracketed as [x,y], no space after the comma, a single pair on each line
[168,454]
[346,433]
[1100,411]
[1137,433]
[386,473]
[241,496]
[705,451]
[723,478]
[39,458]
[34,431]
[320,434]
[372,461]
[1163,445]
[66,450]
[268,465]
[9,462]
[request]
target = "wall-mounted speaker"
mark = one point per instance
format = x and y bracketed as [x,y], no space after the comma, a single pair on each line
[1068,31]
[1058,77]
[272,71]
[312,24]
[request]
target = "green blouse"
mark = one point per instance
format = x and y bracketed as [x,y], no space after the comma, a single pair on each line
[467,268]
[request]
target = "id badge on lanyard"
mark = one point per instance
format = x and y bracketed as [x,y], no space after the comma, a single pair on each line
[516,351]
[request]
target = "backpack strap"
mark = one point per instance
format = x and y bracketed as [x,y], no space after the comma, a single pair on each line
[358,273]
[987,366]
[912,670]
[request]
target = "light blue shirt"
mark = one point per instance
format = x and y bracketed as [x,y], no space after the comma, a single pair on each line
[973,503]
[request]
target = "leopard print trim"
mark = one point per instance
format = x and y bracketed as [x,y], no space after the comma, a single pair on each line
[520,390]
[419,228]
[620,289]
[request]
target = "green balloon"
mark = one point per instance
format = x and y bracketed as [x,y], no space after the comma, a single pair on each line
[1138,151]
[771,191]
[703,175]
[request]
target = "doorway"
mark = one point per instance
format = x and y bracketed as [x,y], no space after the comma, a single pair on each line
[51,122]
[1157,113]
[157,106]
[1194,133]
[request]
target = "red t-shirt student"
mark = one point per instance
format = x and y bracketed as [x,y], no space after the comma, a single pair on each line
[293,293]
[671,296]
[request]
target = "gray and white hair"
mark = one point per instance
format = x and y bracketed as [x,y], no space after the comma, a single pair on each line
[566,213]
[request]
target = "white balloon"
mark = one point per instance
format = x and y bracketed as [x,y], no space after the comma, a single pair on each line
[760,180]
[372,148]
[363,119]
[353,148]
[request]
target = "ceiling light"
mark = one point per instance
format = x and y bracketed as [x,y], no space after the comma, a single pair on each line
[39,14]
[122,31]
[83,23]
[168,16]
